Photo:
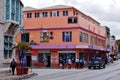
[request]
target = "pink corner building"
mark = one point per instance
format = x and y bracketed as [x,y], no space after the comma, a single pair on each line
[62,32]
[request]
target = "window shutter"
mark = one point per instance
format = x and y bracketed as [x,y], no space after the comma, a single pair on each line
[26,37]
[66,13]
[50,14]
[57,13]
[70,36]
[30,15]
[63,36]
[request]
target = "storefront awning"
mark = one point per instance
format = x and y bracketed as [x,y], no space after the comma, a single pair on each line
[79,46]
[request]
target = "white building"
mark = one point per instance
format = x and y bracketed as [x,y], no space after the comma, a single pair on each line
[113,46]
[10,23]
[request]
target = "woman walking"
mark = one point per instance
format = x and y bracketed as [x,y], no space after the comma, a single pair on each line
[13,66]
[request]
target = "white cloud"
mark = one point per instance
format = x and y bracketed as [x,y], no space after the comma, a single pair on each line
[105,11]
[32,3]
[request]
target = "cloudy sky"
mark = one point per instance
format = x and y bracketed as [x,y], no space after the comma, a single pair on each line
[107,12]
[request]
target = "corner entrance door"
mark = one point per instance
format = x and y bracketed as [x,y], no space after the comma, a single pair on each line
[48,61]
[28,61]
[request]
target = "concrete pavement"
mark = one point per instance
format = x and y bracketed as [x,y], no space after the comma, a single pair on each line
[111,72]
[6,75]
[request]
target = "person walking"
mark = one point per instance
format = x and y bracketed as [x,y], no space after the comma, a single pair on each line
[77,63]
[81,63]
[106,60]
[62,62]
[13,66]
[69,63]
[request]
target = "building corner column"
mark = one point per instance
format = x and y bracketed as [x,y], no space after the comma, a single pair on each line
[77,53]
[54,58]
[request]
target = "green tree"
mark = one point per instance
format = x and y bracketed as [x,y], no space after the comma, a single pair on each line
[113,36]
[118,43]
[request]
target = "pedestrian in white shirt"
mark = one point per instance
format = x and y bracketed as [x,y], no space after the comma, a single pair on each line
[69,63]
[76,63]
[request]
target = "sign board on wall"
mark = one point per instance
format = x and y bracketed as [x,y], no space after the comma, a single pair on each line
[34,57]
[82,46]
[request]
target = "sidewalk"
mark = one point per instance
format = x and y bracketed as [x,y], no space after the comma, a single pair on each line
[6,75]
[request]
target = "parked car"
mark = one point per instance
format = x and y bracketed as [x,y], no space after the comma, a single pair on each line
[97,62]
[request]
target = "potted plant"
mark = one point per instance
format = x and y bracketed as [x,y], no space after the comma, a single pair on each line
[21,48]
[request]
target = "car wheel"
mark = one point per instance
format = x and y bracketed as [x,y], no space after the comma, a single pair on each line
[103,66]
[99,67]
[89,67]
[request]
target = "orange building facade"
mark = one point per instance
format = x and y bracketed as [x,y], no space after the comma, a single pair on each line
[62,32]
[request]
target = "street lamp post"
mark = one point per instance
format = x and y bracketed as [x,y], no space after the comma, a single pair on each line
[22,40]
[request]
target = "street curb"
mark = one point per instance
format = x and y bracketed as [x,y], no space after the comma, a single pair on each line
[4,71]
[26,76]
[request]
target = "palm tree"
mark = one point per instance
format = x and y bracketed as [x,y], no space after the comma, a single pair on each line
[22,46]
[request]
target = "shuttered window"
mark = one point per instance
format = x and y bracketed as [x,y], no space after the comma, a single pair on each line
[67,36]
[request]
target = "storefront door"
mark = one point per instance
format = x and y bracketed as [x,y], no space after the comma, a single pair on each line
[44,57]
[48,61]
[28,61]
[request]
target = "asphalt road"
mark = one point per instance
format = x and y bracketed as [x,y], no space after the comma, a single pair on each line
[111,72]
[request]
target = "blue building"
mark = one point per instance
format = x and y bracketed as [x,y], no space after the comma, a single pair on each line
[10,23]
